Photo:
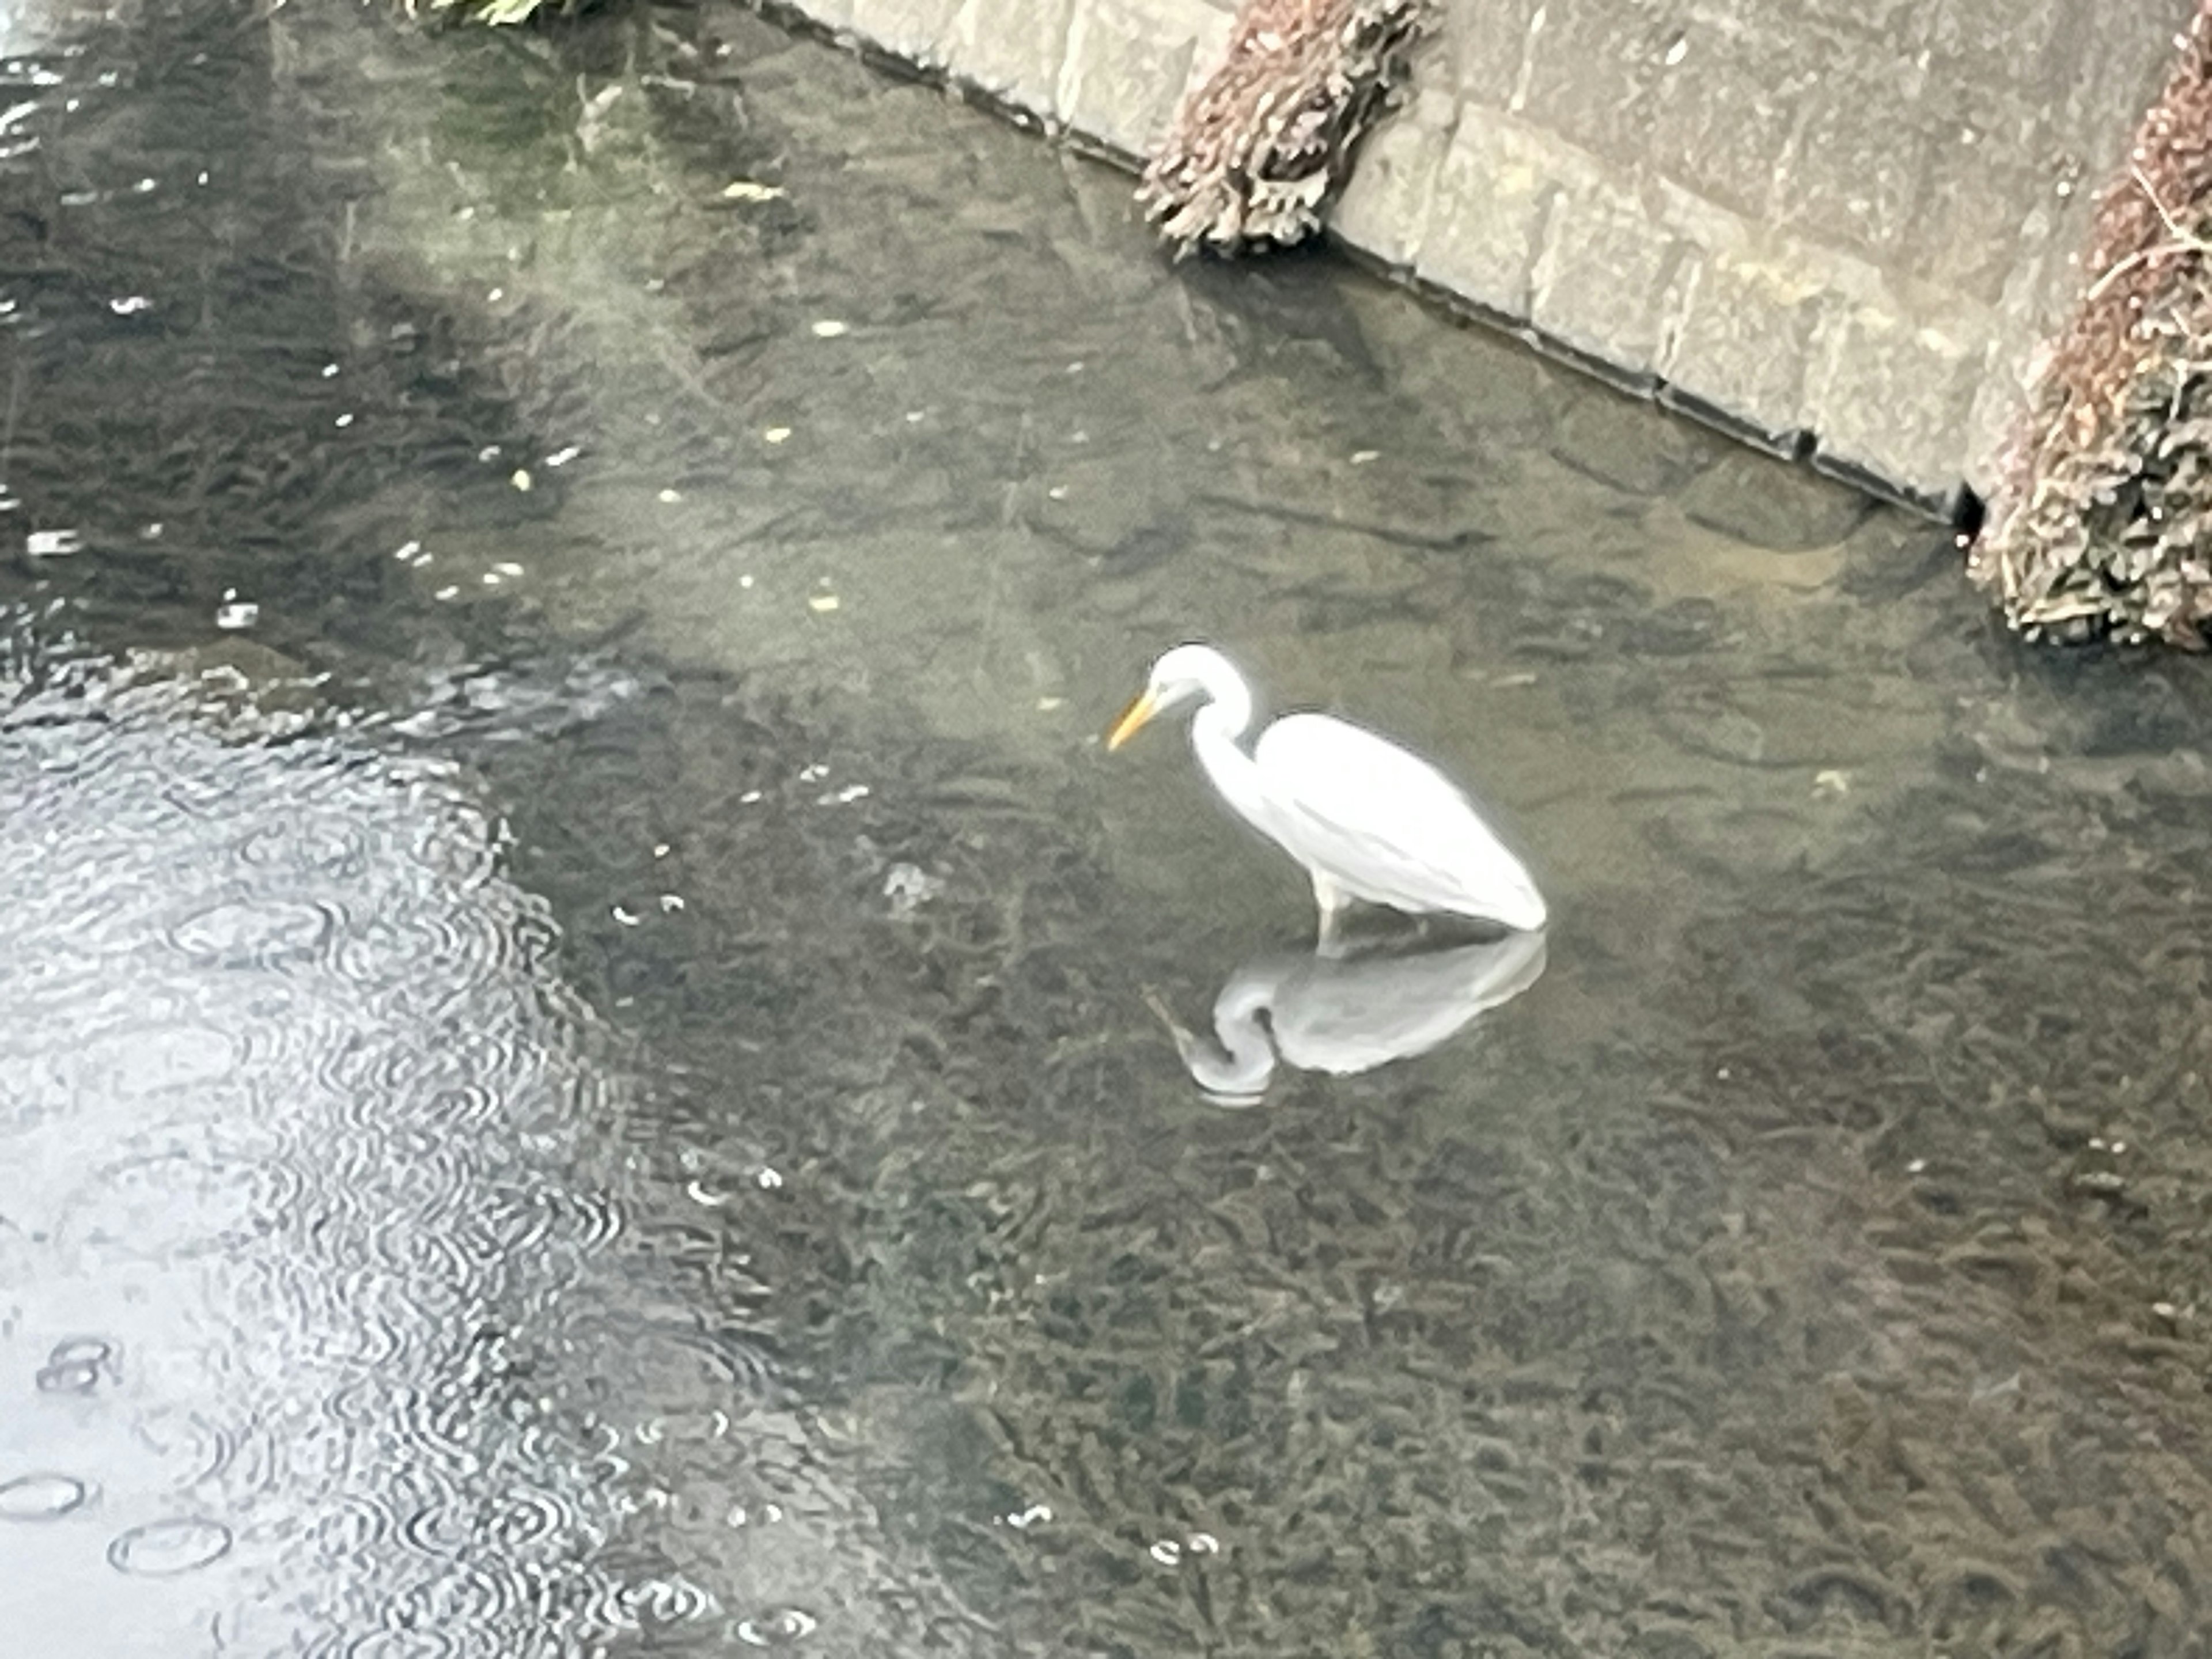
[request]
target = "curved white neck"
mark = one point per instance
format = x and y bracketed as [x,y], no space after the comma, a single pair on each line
[1247,1056]
[1228,699]
[1216,737]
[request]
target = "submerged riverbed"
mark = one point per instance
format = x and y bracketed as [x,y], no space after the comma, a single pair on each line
[578,1065]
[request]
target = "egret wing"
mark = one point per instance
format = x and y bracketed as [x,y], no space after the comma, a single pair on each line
[1385,824]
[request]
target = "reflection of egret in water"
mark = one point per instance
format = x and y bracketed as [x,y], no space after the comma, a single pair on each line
[1346,1014]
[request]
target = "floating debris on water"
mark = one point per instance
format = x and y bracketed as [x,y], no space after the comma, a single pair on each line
[909,886]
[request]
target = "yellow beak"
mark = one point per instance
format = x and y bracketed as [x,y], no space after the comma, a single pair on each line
[1133,721]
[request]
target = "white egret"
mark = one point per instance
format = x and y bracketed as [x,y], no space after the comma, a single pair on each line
[1346,1015]
[1369,821]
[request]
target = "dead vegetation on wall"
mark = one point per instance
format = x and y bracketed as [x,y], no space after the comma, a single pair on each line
[2103,520]
[1257,149]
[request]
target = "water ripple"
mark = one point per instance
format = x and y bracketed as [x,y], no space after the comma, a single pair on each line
[253,932]
[355,1523]
[192,1448]
[77,1365]
[400,1645]
[183,1203]
[42,1497]
[314,1086]
[166,1549]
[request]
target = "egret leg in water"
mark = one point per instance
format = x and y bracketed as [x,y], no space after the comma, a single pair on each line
[1370,822]
[1329,900]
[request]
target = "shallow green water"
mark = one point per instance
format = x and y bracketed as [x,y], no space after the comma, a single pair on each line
[566,1092]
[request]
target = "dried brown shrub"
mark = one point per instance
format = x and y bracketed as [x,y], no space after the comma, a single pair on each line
[1256,149]
[2099,523]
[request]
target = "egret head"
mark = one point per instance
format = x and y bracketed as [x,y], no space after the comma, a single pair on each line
[1187,673]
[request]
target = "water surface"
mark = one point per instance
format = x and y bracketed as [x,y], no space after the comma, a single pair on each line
[581,1067]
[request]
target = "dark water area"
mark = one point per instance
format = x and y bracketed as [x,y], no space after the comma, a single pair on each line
[579,1062]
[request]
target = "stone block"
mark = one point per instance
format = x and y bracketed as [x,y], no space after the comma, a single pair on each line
[1127,63]
[1723,113]
[2007,42]
[2097,96]
[1843,24]
[1610,278]
[920,31]
[1999,400]
[1742,343]
[1494,190]
[1973,227]
[1487,44]
[1594,68]
[1890,395]
[1384,208]
[1853,177]
[1013,49]
[835,16]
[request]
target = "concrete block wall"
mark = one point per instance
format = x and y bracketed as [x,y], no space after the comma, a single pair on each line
[1836,224]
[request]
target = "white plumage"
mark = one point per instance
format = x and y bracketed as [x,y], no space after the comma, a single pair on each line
[1367,820]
